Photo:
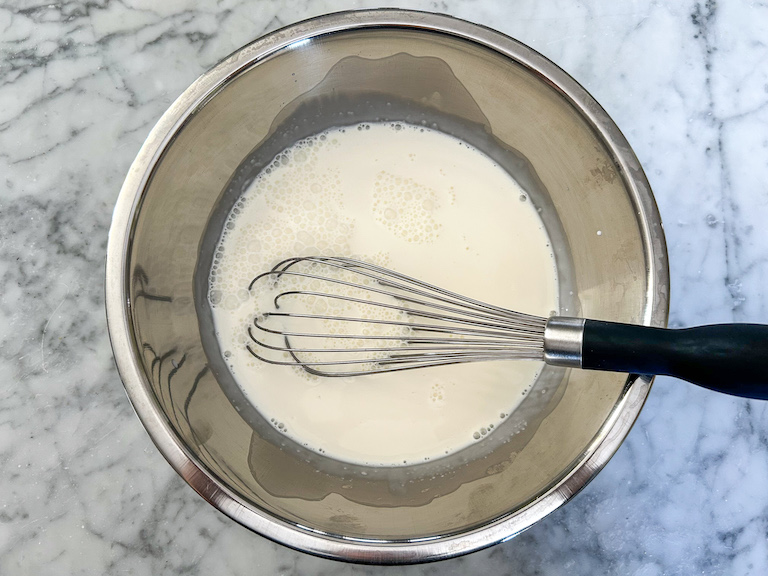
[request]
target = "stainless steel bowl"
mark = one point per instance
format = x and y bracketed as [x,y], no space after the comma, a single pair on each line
[471,81]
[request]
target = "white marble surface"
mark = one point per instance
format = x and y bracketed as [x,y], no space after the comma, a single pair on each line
[82,488]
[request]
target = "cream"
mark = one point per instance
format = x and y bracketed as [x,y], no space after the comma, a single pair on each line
[419,202]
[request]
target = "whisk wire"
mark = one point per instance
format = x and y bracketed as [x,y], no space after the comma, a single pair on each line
[451,328]
[383,276]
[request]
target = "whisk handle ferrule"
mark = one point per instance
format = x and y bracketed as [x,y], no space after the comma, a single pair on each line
[564,341]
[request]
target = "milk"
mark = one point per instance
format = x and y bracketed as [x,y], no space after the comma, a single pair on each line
[414,200]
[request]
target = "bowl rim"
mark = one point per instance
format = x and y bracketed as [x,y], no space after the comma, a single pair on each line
[613,431]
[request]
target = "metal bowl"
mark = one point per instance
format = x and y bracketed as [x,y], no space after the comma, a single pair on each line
[375,65]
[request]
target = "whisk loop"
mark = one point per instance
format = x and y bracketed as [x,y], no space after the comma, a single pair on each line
[379,321]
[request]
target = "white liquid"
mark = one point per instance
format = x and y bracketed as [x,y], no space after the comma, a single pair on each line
[419,202]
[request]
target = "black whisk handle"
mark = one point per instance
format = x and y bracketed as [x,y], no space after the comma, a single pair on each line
[728,358]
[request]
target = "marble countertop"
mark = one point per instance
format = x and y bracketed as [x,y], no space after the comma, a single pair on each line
[82,488]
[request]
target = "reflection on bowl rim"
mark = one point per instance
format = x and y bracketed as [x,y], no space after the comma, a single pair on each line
[614,429]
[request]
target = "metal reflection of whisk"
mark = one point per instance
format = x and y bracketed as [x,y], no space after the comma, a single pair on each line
[400,323]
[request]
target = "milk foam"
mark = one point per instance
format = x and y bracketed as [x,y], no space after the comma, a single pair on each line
[408,198]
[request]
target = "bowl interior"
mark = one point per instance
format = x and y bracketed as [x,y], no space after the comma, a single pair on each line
[587,201]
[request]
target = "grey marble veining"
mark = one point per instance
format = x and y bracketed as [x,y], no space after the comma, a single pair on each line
[82,488]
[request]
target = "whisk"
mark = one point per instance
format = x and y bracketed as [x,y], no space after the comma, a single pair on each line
[417,325]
